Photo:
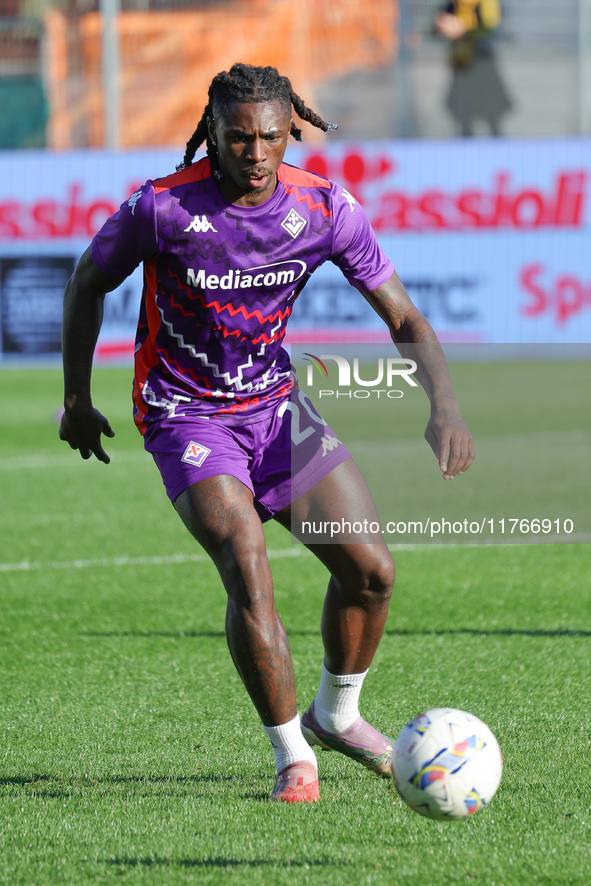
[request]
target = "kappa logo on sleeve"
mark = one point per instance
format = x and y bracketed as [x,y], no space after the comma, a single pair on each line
[350,199]
[133,200]
[195,454]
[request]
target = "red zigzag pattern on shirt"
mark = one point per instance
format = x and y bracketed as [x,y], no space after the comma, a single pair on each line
[306,198]
[267,339]
[188,371]
[229,307]
[243,405]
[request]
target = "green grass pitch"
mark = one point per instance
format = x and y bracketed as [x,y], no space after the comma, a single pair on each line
[129,751]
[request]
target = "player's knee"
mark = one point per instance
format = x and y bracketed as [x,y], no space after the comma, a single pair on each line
[379,577]
[371,578]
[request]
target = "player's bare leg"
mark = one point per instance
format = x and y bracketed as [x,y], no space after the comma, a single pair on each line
[353,617]
[362,574]
[219,513]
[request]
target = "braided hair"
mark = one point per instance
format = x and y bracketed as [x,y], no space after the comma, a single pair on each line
[248,84]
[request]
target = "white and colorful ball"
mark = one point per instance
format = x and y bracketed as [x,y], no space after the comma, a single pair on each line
[446,764]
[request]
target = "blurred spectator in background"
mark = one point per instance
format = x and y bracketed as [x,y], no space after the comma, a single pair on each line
[477,91]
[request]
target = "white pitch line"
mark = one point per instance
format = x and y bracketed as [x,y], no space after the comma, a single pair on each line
[280,553]
[109,562]
[63,460]
[63,457]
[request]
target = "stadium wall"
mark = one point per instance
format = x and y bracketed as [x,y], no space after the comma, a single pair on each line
[490,237]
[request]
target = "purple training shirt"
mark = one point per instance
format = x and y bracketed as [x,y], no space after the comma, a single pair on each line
[220,282]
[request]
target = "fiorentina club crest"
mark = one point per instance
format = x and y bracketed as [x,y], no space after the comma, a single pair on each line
[195,454]
[293,223]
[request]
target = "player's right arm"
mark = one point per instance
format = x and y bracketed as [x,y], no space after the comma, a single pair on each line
[82,425]
[125,240]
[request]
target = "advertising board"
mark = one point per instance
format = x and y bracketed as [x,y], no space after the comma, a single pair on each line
[489,236]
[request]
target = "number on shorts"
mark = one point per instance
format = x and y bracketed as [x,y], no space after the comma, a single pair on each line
[299,433]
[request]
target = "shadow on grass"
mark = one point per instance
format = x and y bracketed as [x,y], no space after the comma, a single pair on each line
[254,787]
[492,632]
[25,780]
[176,635]
[35,780]
[41,786]
[167,779]
[393,632]
[225,863]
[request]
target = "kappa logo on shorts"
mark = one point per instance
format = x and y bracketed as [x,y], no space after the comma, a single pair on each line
[195,454]
[329,443]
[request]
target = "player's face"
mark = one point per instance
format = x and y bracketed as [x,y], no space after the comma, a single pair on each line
[251,140]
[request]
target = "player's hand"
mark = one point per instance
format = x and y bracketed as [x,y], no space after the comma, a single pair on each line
[450,26]
[82,429]
[451,441]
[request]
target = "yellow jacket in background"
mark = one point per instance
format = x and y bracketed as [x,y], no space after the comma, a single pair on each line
[478,13]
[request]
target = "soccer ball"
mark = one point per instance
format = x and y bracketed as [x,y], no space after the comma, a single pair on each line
[446,764]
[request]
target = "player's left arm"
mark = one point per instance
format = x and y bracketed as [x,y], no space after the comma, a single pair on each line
[446,433]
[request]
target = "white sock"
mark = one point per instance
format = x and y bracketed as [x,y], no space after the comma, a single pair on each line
[336,706]
[289,744]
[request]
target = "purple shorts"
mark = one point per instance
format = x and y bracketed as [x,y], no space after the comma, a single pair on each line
[278,458]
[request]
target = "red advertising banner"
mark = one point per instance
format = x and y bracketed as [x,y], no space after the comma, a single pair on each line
[490,238]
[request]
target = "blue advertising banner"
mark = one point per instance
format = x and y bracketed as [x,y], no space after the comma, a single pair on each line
[489,236]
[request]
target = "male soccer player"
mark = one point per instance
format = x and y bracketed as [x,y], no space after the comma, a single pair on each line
[227,243]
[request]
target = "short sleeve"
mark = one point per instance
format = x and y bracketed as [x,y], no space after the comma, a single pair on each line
[128,237]
[355,248]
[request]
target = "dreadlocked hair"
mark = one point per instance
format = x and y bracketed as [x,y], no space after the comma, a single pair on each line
[248,84]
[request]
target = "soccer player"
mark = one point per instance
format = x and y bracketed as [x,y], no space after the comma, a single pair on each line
[227,243]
